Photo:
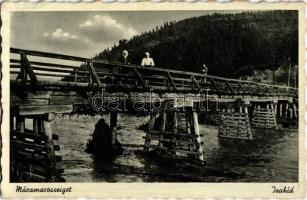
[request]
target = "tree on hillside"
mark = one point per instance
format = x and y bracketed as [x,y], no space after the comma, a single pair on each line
[231,45]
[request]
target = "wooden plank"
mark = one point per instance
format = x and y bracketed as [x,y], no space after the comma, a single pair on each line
[133,145]
[230,88]
[233,119]
[151,124]
[61,66]
[93,73]
[233,130]
[45,74]
[171,81]
[195,131]
[241,126]
[234,137]
[214,85]
[25,145]
[139,75]
[187,152]
[25,135]
[25,64]
[44,69]
[38,110]
[180,141]
[172,133]
[51,154]
[48,55]
[30,177]
[30,137]
[68,100]
[16,66]
[30,157]
[18,101]
[195,82]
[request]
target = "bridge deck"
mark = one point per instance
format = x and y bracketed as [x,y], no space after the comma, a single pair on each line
[42,71]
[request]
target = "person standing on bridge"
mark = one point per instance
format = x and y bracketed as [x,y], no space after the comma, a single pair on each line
[205,69]
[205,72]
[124,57]
[121,70]
[147,60]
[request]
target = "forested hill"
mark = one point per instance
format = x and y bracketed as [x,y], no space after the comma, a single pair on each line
[231,45]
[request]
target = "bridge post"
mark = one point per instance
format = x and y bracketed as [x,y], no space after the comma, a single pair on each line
[280,110]
[295,111]
[151,124]
[50,145]
[286,110]
[20,124]
[195,129]
[275,108]
[113,126]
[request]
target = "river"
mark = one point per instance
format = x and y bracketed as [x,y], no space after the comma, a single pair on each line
[271,157]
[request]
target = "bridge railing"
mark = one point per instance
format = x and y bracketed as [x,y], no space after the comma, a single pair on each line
[50,70]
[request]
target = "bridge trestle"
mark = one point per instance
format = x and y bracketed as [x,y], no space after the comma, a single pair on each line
[286,110]
[264,115]
[235,123]
[175,134]
[32,147]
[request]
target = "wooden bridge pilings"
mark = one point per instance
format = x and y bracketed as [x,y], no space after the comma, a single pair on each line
[33,157]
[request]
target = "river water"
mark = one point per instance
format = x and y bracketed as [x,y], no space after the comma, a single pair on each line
[271,157]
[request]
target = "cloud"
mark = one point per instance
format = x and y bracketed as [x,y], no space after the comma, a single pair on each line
[61,35]
[65,40]
[103,28]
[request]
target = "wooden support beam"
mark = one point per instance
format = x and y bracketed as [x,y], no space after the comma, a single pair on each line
[162,128]
[93,73]
[75,76]
[280,110]
[170,79]
[214,86]
[230,88]
[141,79]
[151,124]
[149,133]
[22,75]
[50,145]
[295,111]
[20,123]
[241,87]
[175,122]
[195,83]
[25,64]
[113,126]
[286,110]
[35,126]
[198,139]
[44,109]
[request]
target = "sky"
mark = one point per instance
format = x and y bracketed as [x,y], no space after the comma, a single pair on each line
[85,33]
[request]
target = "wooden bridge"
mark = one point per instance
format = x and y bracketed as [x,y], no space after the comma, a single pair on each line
[44,84]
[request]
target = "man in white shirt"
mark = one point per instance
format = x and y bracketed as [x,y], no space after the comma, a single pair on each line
[147,61]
